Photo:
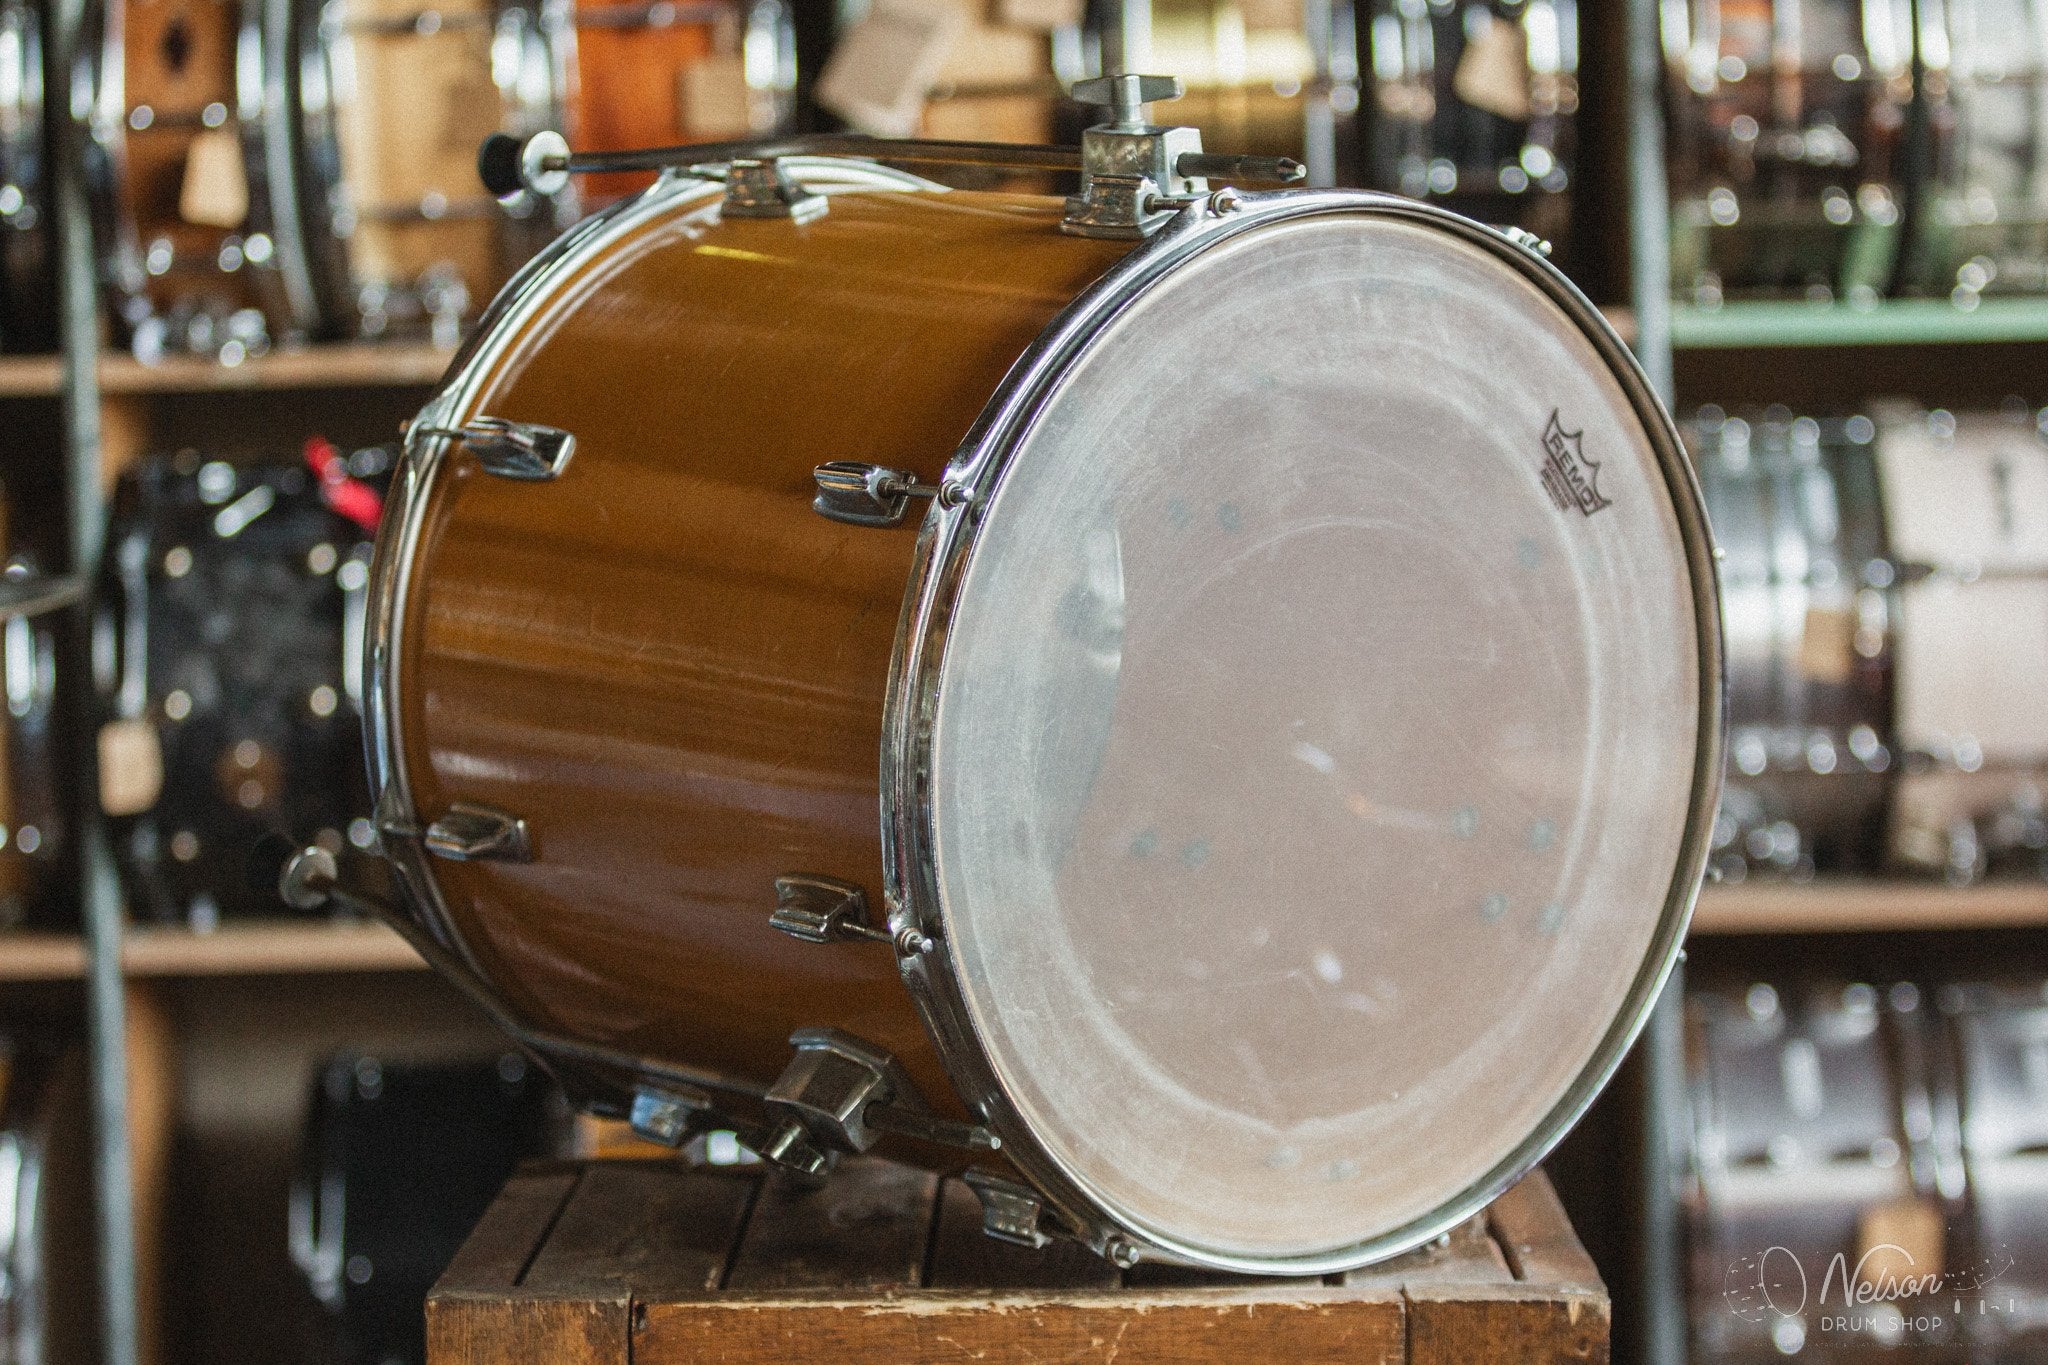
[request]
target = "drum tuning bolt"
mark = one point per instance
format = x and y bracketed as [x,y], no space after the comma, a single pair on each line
[825,910]
[861,494]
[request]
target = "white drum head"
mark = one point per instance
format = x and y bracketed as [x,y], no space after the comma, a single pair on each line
[1317,741]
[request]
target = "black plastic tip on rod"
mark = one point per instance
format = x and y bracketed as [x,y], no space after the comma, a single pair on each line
[497,164]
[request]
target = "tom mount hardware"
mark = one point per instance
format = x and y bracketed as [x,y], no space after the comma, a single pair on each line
[1190,949]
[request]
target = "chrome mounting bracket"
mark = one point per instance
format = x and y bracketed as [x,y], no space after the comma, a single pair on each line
[838,1095]
[511,450]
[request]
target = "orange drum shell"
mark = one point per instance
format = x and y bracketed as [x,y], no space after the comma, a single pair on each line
[627,91]
[665,660]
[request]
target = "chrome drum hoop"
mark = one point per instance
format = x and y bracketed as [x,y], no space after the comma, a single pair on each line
[945,544]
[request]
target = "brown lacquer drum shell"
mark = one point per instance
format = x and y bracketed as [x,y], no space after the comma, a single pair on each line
[681,582]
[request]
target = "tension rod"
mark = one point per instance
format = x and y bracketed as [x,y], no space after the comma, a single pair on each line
[543,163]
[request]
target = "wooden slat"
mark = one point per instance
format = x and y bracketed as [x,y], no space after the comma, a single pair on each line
[867,1228]
[1318,1323]
[1535,1235]
[964,1257]
[504,1243]
[516,1331]
[634,1228]
[1510,1324]
[477,1314]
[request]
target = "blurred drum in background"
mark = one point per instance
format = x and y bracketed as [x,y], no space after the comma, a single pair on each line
[1475,106]
[1966,509]
[227,638]
[1999,1035]
[31,806]
[395,96]
[1795,508]
[1786,119]
[1249,73]
[653,73]
[28,302]
[47,1262]
[1818,1147]
[398,1161]
[1885,595]
[1982,224]
[193,170]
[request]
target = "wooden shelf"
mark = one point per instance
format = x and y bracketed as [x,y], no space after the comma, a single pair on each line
[1764,907]
[241,949]
[351,365]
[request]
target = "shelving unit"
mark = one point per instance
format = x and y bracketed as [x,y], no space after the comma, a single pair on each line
[352,365]
[1850,354]
[1845,906]
[1893,322]
[284,948]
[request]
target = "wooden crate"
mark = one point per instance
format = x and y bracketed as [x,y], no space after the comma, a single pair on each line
[652,1263]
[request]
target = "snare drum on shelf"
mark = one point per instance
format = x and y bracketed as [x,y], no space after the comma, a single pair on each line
[1475,105]
[395,99]
[1999,1033]
[1795,507]
[1983,222]
[1966,507]
[652,73]
[1885,593]
[28,301]
[1786,120]
[197,188]
[226,624]
[31,810]
[1814,1138]
[1249,88]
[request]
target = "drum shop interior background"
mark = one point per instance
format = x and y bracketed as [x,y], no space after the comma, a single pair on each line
[239,243]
